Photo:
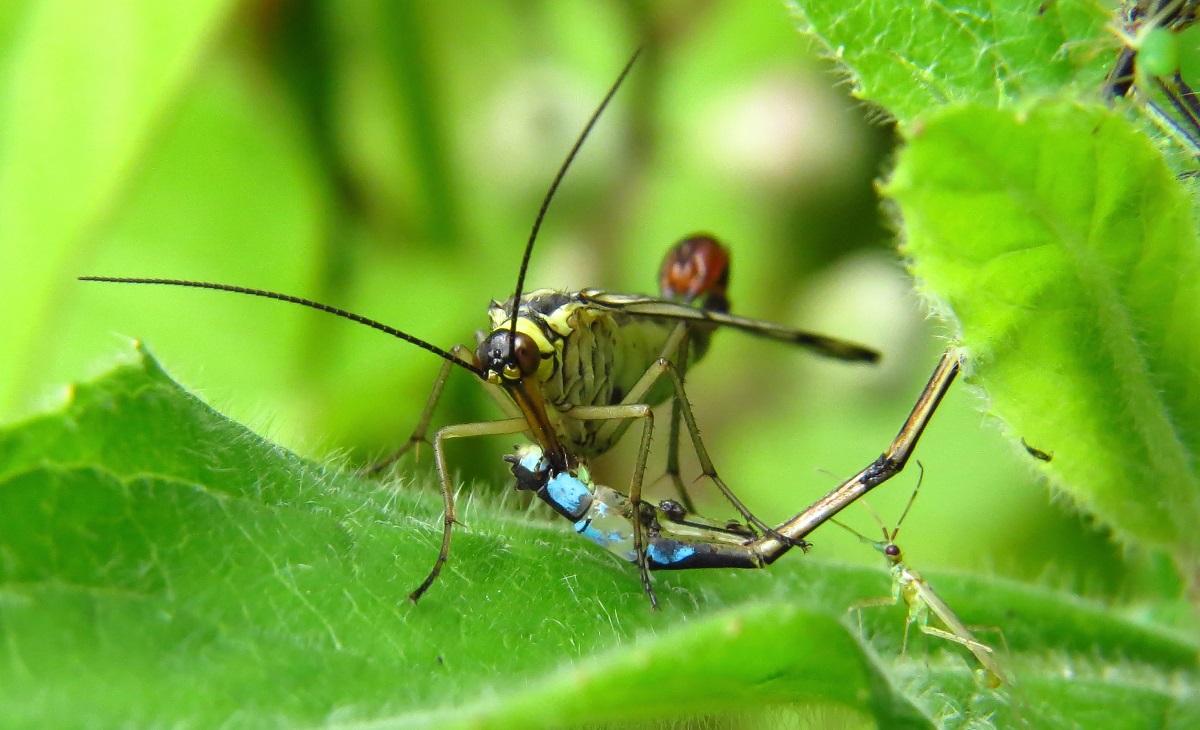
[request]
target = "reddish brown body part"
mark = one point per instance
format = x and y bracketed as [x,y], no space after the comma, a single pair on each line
[697,265]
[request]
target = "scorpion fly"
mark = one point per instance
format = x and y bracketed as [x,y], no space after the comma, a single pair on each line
[1149,63]
[572,370]
[908,586]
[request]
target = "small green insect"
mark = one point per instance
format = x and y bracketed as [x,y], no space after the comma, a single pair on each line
[1148,66]
[920,598]
[1159,53]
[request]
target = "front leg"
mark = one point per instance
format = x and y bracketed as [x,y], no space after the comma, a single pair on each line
[420,432]
[449,516]
[858,606]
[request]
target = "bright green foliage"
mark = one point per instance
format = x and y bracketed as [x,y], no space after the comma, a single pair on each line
[936,52]
[1159,52]
[62,167]
[1079,304]
[162,565]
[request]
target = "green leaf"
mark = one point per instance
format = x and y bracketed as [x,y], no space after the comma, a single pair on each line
[1064,246]
[162,565]
[84,87]
[908,58]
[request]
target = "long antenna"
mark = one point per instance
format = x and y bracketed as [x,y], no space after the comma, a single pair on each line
[911,499]
[562,171]
[889,536]
[852,531]
[297,300]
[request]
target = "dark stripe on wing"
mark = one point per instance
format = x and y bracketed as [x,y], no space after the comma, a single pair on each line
[664,309]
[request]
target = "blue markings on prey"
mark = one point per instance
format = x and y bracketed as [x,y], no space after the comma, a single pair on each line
[666,552]
[673,538]
[570,493]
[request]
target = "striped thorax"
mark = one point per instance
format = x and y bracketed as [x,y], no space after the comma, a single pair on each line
[586,356]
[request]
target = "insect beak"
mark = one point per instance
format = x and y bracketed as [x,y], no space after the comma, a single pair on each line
[529,399]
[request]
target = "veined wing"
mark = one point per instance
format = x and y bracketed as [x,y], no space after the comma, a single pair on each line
[644,306]
[947,616]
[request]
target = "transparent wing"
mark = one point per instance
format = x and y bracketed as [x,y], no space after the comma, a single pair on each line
[939,608]
[665,309]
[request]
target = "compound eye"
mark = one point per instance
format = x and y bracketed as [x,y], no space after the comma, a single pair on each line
[526,356]
[891,551]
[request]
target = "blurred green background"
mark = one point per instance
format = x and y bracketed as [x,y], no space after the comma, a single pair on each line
[389,158]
